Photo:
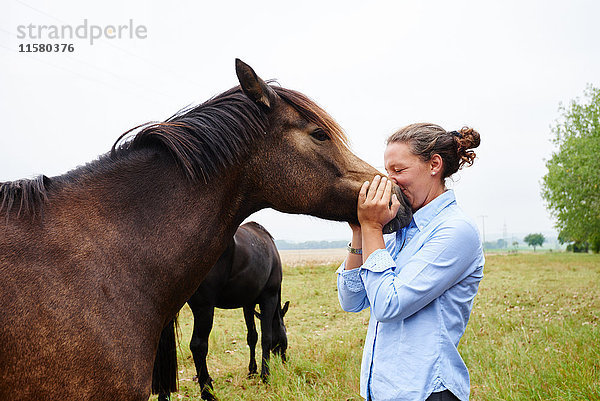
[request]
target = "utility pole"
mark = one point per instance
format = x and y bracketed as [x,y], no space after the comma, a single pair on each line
[483,226]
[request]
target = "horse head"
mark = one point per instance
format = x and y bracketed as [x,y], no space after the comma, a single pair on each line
[316,172]
[279,342]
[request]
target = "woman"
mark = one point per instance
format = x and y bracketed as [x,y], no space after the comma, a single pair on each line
[420,281]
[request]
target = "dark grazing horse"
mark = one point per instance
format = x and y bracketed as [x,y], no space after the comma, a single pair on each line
[96,262]
[248,273]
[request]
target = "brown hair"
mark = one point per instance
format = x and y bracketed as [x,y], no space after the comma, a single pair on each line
[426,140]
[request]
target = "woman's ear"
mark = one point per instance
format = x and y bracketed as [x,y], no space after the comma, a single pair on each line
[436,165]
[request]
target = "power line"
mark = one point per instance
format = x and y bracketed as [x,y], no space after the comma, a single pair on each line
[92,79]
[40,11]
[106,42]
[60,67]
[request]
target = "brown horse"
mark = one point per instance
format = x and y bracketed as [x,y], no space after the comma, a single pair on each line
[94,263]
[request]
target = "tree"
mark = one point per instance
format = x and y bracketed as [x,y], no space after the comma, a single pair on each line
[534,240]
[571,187]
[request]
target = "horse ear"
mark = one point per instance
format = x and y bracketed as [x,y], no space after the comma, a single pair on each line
[254,87]
[285,308]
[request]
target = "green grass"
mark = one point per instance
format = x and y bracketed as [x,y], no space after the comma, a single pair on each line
[534,331]
[533,335]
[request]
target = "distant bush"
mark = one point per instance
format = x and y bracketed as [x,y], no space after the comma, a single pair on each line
[578,247]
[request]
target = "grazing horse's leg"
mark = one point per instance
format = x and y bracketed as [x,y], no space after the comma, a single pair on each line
[164,397]
[203,321]
[267,311]
[252,338]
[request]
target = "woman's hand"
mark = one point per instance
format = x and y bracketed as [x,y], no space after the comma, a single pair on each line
[374,209]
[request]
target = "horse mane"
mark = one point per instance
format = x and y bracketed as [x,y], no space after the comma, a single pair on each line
[30,195]
[207,138]
[202,139]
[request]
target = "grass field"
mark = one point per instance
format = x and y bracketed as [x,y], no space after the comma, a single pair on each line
[533,335]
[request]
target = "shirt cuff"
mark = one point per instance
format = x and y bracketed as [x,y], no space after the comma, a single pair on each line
[379,261]
[351,278]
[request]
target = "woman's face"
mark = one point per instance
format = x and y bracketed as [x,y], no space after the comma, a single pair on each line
[419,180]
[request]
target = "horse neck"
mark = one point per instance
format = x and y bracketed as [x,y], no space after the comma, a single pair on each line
[164,230]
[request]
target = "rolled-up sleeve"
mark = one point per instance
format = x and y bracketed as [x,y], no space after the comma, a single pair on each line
[443,260]
[351,290]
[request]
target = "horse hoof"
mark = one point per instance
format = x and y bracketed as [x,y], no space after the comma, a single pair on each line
[207,391]
[208,395]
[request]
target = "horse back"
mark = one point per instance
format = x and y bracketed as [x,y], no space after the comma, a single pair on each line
[248,269]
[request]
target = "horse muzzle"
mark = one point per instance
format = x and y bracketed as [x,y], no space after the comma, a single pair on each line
[404,215]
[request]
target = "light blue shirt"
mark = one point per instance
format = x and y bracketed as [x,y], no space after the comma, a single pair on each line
[420,290]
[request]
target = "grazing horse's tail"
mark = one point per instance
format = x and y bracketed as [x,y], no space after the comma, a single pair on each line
[164,374]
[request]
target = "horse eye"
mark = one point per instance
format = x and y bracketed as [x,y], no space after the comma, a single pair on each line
[319,135]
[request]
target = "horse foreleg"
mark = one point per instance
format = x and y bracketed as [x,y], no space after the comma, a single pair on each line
[267,311]
[203,321]
[252,338]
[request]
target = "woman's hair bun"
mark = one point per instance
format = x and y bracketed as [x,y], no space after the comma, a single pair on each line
[466,139]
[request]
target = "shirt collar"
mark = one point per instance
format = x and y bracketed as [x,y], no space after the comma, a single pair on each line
[424,215]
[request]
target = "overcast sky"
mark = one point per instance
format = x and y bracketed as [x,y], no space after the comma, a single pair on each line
[502,67]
